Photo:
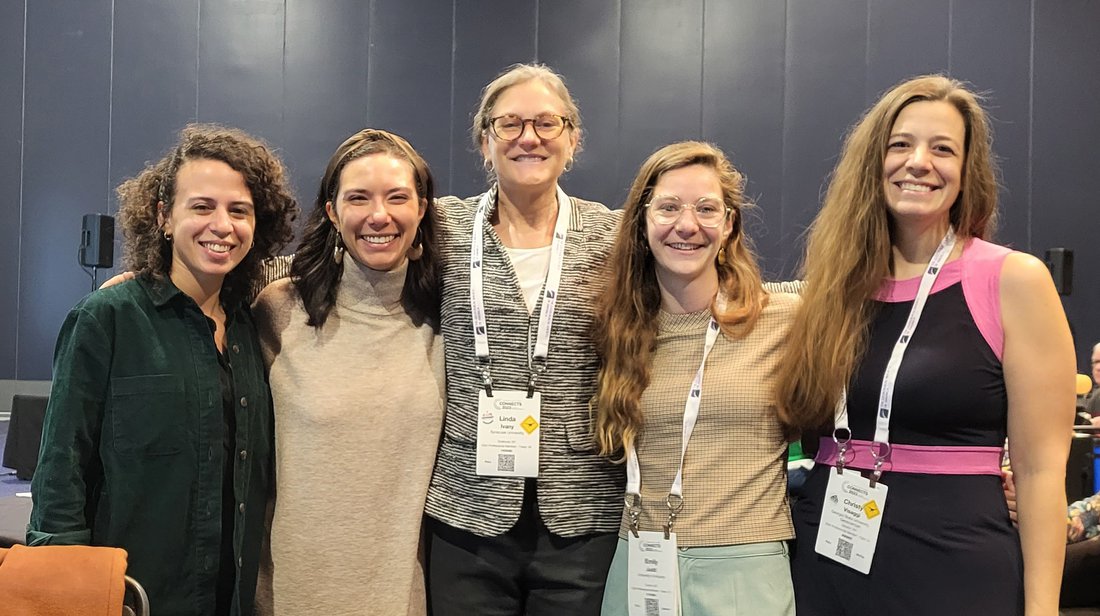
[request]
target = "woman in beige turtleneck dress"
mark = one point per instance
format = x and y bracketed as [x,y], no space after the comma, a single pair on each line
[356,370]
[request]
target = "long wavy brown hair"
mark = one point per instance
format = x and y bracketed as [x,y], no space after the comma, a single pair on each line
[144,246]
[626,315]
[848,252]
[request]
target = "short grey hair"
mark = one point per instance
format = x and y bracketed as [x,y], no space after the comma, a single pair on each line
[513,76]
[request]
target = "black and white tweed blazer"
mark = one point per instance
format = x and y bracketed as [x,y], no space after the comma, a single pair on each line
[579,492]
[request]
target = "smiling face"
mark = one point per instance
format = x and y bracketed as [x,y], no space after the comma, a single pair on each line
[923,165]
[529,162]
[377,210]
[685,251]
[211,223]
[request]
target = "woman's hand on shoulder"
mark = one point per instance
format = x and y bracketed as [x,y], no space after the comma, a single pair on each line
[117,279]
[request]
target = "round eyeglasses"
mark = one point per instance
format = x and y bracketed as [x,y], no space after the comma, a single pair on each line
[666,210]
[510,126]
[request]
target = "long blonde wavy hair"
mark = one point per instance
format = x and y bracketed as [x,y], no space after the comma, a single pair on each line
[626,315]
[848,252]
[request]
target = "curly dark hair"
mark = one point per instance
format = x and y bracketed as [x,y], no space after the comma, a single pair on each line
[316,276]
[146,250]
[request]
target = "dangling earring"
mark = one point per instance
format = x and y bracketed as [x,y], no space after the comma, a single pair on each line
[722,256]
[417,249]
[338,249]
[167,236]
[568,164]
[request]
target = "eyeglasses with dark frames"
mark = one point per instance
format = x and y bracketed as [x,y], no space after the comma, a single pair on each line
[509,127]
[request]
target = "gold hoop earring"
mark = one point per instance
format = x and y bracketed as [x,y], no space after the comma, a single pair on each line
[568,164]
[487,165]
[722,256]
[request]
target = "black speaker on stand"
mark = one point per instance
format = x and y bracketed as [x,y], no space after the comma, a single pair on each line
[97,243]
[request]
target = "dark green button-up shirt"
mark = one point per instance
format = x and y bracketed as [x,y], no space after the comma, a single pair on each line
[133,452]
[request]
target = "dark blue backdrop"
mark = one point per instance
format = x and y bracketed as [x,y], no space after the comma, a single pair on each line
[92,89]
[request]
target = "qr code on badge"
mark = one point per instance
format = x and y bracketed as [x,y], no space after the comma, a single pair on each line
[506,462]
[844,549]
[652,607]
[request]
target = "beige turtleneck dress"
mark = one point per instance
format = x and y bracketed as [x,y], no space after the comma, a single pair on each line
[358,408]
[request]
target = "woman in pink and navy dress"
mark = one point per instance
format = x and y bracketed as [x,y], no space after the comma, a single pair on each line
[910,205]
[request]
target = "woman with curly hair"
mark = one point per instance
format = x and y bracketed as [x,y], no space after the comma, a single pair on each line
[158,434]
[690,339]
[919,346]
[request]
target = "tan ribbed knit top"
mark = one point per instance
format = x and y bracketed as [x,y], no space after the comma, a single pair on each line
[358,410]
[735,482]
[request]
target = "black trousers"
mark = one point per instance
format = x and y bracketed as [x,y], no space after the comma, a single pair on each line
[527,571]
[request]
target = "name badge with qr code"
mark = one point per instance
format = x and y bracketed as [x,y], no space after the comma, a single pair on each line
[652,574]
[850,519]
[508,434]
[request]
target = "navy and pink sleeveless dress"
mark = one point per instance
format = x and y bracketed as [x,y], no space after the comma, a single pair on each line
[946,545]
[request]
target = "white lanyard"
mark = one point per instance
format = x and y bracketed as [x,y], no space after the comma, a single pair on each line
[880,447]
[675,500]
[549,298]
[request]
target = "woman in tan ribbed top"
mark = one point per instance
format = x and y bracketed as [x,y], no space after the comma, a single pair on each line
[355,360]
[680,274]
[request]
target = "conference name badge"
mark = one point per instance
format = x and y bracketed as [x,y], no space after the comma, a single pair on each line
[508,432]
[653,574]
[850,519]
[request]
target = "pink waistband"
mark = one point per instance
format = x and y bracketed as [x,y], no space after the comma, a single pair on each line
[916,458]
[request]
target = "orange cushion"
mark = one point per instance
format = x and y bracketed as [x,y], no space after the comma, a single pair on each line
[62,580]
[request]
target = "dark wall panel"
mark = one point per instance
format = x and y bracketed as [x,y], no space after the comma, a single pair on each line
[775,84]
[11,139]
[489,36]
[743,55]
[898,49]
[410,77]
[580,40]
[68,63]
[1065,159]
[997,61]
[661,79]
[240,76]
[325,85]
[152,86]
[825,93]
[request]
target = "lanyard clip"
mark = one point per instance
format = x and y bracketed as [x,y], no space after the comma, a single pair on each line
[633,511]
[486,376]
[841,441]
[880,451]
[536,371]
[675,504]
